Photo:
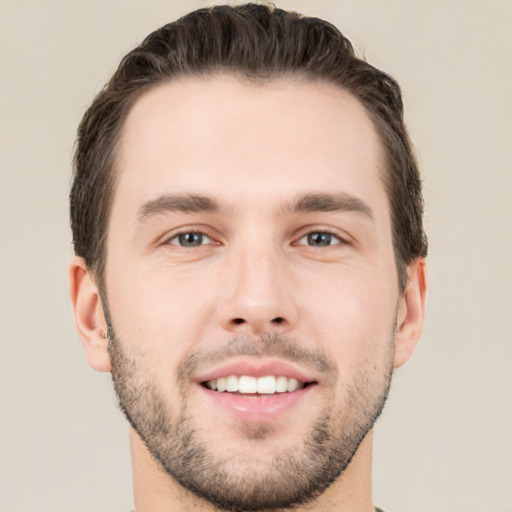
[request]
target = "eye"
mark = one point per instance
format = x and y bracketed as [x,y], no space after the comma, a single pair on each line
[320,239]
[190,239]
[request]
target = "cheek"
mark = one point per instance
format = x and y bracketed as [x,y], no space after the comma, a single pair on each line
[159,315]
[351,315]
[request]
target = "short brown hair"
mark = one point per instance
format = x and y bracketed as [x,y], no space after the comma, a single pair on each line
[260,43]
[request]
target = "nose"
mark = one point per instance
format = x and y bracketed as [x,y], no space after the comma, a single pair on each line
[259,296]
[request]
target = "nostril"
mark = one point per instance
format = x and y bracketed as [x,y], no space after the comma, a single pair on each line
[278,320]
[238,321]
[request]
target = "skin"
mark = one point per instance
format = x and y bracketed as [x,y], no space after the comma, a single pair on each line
[254,150]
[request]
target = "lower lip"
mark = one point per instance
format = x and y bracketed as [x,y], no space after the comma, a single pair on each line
[260,407]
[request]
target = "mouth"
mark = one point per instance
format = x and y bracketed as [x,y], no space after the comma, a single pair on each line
[249,385]
[259,391]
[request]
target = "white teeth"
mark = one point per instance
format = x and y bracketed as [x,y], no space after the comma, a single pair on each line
[281,384]
[221,384]
[267,385]
[247,384]
[293,385]
[231,383]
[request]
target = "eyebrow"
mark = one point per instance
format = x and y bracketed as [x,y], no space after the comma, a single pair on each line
[330,202]
[303,203]
[185,203]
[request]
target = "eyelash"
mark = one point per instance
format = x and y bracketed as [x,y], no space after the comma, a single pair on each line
[321,232]
[201,232]
[304,235]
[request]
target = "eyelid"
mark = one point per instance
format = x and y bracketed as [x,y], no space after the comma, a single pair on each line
[206,239]
[344,239]
[166,239]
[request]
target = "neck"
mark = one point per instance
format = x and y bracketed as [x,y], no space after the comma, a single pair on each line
[155,491]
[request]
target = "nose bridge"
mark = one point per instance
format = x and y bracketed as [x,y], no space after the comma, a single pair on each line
[258,295]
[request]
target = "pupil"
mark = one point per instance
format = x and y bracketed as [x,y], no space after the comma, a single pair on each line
[319,239]
[190,239]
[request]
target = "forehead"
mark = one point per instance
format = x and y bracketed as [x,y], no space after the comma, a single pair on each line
[239,140]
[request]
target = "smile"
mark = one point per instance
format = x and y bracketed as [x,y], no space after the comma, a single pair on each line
[255,390]
[246,384]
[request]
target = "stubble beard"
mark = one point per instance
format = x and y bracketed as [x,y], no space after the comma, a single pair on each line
[292,477]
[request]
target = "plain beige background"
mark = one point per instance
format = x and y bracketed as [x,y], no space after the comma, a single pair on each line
[444,441]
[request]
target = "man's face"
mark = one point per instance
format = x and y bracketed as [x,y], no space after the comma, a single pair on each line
[250,245]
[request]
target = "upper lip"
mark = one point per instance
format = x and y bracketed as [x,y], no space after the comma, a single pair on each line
[256,368]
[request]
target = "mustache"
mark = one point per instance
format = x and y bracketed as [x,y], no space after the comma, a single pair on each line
[266,345]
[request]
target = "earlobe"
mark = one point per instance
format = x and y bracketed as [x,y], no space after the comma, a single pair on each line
[89,318]
[411,312]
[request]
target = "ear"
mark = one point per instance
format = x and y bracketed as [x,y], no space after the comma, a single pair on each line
[89,318]
[411,312]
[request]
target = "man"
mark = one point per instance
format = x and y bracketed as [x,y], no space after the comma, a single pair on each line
[247,222]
